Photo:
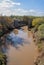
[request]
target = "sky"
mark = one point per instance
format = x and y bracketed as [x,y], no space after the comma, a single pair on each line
[22,7]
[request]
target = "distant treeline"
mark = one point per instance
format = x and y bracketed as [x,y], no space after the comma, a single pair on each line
[6,22]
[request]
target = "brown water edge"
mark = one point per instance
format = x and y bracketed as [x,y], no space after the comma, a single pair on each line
[25,55]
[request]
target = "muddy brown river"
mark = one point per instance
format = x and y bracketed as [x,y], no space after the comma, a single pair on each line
[26,53]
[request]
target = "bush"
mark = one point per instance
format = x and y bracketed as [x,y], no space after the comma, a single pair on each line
[41,30]
[37,21]
[3,59]
[39,47]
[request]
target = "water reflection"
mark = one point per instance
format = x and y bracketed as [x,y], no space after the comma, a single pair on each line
[16,39]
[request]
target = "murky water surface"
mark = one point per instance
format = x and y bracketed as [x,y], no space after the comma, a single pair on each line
[22,49]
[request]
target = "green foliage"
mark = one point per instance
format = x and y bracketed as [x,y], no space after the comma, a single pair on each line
[41,30]
[5,24]
[2,58]
[39,35]
[39,47]
[37,21]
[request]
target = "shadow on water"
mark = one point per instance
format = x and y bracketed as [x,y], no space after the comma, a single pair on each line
[15,40]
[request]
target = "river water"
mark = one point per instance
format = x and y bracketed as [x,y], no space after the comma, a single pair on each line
[22,49]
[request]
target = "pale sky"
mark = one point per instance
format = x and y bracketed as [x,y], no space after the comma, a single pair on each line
[22,7]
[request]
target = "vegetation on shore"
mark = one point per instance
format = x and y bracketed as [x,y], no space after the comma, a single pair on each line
[37,27]
[39,38]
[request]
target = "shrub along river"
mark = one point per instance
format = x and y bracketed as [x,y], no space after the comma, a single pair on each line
[21,47]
